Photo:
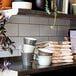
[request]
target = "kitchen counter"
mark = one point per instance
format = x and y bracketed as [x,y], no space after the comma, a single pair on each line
[35,69]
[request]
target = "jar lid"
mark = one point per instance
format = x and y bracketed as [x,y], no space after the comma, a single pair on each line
[45,50]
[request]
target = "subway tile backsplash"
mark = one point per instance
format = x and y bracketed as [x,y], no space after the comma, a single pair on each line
[47,31]
[12,29]
[19,19]
[38,20]
[62,30]
[55,38]
[16,40]
[28,30]
[21,26]
[59,21]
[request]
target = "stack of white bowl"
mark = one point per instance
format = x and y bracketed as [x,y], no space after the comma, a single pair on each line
[44,56]
[16,4]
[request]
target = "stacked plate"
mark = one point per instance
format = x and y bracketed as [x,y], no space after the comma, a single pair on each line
[21,4]
[62,53]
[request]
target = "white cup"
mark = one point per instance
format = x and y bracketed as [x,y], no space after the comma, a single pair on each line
[44,60]
[29,45]
[28,48]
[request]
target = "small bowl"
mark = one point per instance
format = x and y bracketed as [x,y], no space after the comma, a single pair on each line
[45,52]
[44,60]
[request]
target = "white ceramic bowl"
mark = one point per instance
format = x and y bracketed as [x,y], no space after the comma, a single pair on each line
[24,5]
[44,60]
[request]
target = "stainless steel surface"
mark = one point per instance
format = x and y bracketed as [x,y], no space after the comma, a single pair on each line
[27,59]
[30,41]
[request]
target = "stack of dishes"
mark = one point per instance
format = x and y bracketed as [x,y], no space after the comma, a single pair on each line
[44,56]
[16,4]
[62,53]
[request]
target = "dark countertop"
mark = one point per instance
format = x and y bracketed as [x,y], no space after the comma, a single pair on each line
[35,68]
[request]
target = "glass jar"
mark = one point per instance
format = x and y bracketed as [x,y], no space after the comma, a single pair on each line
[38,4]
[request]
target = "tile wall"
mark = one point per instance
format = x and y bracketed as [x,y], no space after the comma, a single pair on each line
[21,26]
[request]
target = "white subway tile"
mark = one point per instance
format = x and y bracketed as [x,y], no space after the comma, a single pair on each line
[56,38]
[28,30]
[59,21]
[38,20]
[19,19]
[62,30]
[12,29]
[47,31]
